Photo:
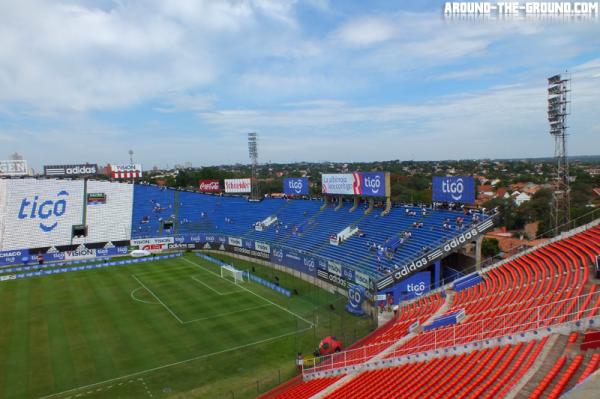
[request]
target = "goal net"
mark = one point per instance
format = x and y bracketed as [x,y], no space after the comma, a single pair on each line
[231,273]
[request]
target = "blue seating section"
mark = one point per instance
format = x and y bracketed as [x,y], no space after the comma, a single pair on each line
[445,320]
[467,281]
[406,233]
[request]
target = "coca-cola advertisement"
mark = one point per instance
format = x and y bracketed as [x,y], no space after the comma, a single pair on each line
[209,186]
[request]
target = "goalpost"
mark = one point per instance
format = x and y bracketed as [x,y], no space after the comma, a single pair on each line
[230,272]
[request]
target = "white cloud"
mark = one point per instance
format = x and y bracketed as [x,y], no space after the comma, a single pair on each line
[67,56]
[366,31]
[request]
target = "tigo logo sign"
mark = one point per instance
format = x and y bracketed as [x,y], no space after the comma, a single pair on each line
[454,189]
[48,210]
[371,184]
[295,186]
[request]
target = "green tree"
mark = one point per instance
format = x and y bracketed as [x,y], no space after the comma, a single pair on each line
[490,247]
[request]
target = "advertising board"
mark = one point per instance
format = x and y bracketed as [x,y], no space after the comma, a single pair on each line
[238,186]
[70,170]
[96,198]
[453,189]
[295,186]
[370,184]
[126,171]
[209,186]
[13,168]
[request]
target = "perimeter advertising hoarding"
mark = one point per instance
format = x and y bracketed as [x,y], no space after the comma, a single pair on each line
[331,271]
[238,186]
[14,257]
[70,170]
[23,256]
[13,168]
[295,186]
[453,189]
[369,184]
[209,186]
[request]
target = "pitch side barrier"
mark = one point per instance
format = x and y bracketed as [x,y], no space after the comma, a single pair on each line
[331,271]
[60,270]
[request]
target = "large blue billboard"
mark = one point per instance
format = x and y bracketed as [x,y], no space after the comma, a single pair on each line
[369,184]
[295,186]
[373,184]
[454,189]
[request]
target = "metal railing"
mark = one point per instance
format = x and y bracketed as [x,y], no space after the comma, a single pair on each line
[532,318]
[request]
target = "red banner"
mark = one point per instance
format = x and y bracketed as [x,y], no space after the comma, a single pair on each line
[209,186]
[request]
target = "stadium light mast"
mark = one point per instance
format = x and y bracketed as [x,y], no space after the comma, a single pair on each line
[131,163]
[253,153]
[558,109]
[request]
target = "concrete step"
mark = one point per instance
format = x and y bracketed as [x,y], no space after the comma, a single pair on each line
[554,349]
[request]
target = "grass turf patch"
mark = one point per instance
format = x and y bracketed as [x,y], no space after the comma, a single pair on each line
[174,323]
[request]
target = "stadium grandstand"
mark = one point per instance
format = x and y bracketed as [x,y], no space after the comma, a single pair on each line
[526,326]
[529,331]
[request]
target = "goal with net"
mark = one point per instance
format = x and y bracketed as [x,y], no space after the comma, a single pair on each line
[231,273]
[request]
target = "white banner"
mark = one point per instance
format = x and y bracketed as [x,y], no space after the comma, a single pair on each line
[150,241]
[80,254]
[13,168]
[334,268]
[238,185]
[153,248]
[236,242]
[262,247]
[361,278]
[344,184]
[126,171]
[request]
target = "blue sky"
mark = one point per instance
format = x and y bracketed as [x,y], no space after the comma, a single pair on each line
[318,80]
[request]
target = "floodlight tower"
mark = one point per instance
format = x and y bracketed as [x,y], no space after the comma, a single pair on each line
[253,153]
[131,163]
[558,108]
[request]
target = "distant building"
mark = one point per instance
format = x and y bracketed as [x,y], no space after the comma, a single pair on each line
[520,198]
[593,172]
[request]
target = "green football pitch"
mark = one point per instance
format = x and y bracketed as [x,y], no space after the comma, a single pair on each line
[164,329]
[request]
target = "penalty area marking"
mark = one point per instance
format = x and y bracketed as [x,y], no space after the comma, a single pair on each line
[262,341]
[213,289]
[141,300]
[252,292]
[227,313]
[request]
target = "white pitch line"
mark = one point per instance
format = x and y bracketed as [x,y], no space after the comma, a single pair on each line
[141,300]
[213,289]
[252,292]
[158,299]
[227,313]
[176,363]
